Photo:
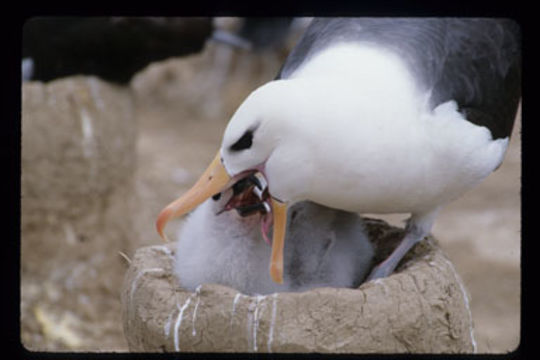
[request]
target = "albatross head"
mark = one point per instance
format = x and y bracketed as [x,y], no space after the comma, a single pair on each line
[255,132]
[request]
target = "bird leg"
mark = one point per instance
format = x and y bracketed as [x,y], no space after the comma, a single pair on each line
[418,227]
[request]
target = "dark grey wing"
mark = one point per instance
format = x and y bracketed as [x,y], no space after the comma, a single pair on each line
[476,62]
[481,71]
[310,43]
[402,35]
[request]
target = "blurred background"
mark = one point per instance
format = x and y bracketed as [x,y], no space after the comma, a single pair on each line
[121,115]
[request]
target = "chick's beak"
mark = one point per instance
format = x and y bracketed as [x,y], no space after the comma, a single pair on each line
[212,181]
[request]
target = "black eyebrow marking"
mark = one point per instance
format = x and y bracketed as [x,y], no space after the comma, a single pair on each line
[244,142]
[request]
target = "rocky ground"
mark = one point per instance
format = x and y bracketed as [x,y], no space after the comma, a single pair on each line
[180,109]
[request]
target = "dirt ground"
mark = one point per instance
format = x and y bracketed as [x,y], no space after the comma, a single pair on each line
[182,107]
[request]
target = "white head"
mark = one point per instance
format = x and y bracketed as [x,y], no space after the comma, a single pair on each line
[256,128]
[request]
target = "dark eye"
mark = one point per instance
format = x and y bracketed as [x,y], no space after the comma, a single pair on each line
[244,142]
[216,196]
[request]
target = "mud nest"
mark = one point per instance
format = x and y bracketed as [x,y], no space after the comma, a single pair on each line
[421,308]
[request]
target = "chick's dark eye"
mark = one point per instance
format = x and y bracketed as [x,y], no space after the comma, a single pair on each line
[244,142]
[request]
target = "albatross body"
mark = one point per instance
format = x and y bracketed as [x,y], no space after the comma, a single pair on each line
[379,116]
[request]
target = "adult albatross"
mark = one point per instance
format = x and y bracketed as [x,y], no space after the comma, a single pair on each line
[374,115]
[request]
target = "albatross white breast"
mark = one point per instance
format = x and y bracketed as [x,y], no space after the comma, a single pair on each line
[435,154]
[375,115]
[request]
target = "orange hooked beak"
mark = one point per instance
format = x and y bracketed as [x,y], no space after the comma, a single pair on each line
[215,179]
[212,181]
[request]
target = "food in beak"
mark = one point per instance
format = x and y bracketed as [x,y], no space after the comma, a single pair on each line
[250,196]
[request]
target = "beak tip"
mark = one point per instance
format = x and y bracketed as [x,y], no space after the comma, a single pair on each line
[163,236]
[276,273]
[162,220]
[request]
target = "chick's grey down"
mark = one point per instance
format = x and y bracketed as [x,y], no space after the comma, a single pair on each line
[324,247]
